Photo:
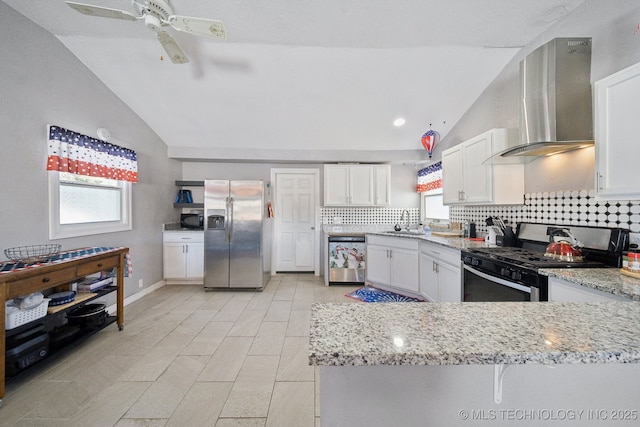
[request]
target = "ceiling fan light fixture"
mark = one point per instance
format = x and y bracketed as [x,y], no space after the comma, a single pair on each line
[152,23]
[156,15]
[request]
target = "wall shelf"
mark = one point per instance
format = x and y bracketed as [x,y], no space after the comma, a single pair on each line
[189,205]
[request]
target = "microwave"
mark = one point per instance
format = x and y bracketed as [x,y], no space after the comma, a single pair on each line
[192,220]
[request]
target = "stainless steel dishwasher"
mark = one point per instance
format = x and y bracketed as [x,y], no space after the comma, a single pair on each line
[346,259]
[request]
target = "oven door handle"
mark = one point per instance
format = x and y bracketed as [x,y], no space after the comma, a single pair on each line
[498,280]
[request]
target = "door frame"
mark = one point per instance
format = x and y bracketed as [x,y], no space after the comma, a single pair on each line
[274,232]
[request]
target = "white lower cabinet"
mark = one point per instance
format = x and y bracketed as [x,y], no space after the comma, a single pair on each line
[440,273]
[393,262]
[183,256]
[561,290]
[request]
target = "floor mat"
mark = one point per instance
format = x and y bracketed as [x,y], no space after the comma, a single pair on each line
[371,294]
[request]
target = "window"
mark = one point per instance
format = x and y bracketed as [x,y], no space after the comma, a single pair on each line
[432,207]
[82,205]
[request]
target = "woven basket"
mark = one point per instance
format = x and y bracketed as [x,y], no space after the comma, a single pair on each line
[32,254]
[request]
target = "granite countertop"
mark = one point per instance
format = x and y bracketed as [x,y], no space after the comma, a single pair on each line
[358,334]
[177,227]
[450,242]
[608,280]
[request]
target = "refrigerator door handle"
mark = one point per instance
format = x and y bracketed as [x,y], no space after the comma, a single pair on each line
[230,217]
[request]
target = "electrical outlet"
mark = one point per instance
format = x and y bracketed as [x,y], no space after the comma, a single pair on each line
[140,283]
[634,238]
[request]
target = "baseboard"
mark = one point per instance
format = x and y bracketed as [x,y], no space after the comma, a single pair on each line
[135,297]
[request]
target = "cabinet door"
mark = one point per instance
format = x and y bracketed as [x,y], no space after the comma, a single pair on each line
[336,185]
[477,177]
[561,290]
[173,260]
[428,278]
[452,175]
[377,265]
[449,283]
[382,185]
[616,134]
[404,269]
[195,260]
[361,185]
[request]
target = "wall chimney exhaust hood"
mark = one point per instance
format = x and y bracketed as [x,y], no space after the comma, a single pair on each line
[556,103]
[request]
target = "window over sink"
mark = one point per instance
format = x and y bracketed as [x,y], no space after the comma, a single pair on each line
[432,207]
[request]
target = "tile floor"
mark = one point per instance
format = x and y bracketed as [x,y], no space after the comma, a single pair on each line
[186,357]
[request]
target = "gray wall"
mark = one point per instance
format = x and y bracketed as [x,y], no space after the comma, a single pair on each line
[611,24]
[42,83]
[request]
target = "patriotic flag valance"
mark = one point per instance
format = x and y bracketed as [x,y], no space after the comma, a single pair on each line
[430,178]
[82,155]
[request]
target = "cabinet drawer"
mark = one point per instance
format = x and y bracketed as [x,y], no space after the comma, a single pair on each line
[183,237]
[96,266]
[40,282]
[393,242]
[450,256]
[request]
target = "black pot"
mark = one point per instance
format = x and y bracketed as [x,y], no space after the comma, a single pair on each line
[89,316]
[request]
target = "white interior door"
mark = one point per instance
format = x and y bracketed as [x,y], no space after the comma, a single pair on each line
[296,232]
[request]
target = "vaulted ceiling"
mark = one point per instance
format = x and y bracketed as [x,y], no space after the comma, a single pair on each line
[304,80]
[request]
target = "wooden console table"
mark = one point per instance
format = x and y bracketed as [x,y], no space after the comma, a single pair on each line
[38,278]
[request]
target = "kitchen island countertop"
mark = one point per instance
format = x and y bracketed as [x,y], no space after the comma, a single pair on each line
[357,334]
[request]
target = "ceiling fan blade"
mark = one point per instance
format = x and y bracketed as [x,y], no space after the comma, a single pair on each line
[201,26]
[176,54]
[103,12]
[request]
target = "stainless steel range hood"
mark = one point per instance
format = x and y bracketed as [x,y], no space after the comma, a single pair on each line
[555,107]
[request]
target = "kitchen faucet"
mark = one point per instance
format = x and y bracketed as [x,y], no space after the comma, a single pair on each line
[402,217]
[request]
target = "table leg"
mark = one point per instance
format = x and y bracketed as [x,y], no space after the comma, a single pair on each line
[3,297]
[120,292]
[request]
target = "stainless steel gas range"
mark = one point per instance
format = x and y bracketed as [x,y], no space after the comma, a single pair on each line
[512,273]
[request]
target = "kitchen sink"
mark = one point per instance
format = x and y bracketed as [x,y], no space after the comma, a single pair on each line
[410,232]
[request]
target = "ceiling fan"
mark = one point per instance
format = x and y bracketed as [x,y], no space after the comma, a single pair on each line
[156,15]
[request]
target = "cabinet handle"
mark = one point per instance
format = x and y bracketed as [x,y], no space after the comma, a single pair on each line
[600,180]
[99,264]
[46,280]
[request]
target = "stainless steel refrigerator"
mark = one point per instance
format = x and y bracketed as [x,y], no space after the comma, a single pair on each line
[233,235]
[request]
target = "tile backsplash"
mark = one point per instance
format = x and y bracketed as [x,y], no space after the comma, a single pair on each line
[371,216]
[572,207]
[575,207]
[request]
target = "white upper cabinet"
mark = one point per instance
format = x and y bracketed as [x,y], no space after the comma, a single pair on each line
[617,134]
[382,185]
[356,185]
[467,180]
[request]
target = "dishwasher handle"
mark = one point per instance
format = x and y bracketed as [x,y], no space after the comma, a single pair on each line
[356,239]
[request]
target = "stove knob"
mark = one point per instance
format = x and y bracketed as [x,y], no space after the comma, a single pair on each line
[467,259]
[475,262]
[504,272]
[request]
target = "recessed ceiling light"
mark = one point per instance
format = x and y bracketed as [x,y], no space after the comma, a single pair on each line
[398,122]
